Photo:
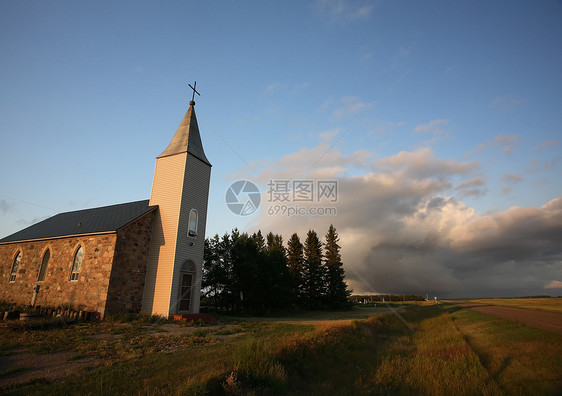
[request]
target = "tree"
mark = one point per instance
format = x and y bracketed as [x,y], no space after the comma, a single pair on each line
[275,278]
[314,272]
[337,292]
[245,258]
[295,262]
[257,237]
[213,273]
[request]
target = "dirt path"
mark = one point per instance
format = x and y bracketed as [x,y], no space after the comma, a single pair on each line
[542,320]
[28,367]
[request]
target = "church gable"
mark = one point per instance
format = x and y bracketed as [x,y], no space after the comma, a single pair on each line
[128,272]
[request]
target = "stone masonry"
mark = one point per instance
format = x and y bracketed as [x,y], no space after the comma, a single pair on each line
[111,278]
[128,274]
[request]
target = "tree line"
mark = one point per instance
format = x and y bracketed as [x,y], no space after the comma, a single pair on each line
[243,272]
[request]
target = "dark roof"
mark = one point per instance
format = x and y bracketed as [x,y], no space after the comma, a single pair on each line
[187,137]
[87,221]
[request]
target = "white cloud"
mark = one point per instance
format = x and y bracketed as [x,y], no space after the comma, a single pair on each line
[329,135]
[554,285]
[507,102]
[272,87]
[382,127]
[343,11]
[422,163]
[349,106]
[434,127]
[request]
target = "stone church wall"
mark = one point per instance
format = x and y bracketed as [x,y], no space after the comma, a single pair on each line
[111,278]
[129,267]
[88,293]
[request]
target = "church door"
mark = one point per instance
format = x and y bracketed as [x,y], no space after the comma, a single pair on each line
[185,292]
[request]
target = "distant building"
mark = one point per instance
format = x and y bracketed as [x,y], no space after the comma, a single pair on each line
[143,256]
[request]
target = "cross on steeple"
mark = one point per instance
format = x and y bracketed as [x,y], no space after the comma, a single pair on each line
[194,91]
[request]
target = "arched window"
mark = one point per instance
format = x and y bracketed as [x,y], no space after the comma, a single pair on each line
[76,264]
[15,266]
[44,264]
[192,224]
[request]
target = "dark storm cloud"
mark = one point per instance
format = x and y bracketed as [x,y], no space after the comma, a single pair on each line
[402,232]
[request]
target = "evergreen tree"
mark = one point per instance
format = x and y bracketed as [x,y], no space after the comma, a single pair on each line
[245,258]
[275,278]
[259,241]
[337,292]
[295,262]
[314,272]
[225,258]
[275,242]
[211,285]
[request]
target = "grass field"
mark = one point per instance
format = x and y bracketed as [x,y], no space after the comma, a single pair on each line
[540,304]
[449,350]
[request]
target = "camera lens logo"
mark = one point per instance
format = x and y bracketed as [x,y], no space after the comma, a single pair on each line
[243,197]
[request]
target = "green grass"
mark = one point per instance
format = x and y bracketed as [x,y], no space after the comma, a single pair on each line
[451,350]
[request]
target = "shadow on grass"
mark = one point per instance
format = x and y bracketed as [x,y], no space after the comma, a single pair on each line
[271,358]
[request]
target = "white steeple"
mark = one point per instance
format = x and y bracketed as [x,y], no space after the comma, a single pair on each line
[180,188]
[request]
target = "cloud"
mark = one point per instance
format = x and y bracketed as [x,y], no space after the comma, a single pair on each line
[505,142]
[512,178]
[272,87]
[547,144]
[434,127]
[472,187]
[349,106]
[35,220]
[423,163]
[401,53]
[341,11]
[506,102]
[329,135]
[537,165]
[329,164]
[382,127]
[5,206]
[402,232]
[554,285]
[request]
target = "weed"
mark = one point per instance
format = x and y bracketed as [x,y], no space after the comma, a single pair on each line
[231,385]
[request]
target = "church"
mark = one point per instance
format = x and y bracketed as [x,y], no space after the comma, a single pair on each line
[144,256]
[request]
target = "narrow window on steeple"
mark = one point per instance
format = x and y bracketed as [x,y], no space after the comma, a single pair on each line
[76,264]
[15,266]
[192,224]
[44,264]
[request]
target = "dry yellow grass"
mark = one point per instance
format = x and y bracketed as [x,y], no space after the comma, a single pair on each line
[451,350]
[553,304]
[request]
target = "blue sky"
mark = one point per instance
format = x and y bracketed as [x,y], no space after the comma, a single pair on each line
[92,92]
